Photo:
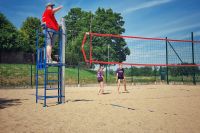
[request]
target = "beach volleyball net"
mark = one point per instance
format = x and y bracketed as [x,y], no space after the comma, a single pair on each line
[139,51]
[161,58]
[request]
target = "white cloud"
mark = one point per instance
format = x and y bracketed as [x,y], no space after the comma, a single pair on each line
[174,29]
[188,36]
[183,21]
[177,28]
[145,5]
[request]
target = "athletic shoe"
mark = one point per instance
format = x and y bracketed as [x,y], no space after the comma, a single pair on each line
[54,62]
[48,61]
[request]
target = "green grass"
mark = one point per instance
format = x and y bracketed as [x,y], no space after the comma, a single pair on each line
[14,70]
[14,74]
[20,75]
[86,76]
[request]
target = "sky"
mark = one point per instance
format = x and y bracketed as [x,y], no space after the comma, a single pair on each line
[149,18]
[175,19]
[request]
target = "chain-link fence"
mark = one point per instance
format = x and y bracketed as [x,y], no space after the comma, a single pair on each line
[23,75]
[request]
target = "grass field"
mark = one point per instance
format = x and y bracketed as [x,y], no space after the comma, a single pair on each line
[20,75]
[15,74]
[145,109]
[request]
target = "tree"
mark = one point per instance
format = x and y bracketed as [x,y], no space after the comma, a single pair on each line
[8,35]
[103,21]
[77,23]
[183,70]
[28,33]
[107,21]
[140,71]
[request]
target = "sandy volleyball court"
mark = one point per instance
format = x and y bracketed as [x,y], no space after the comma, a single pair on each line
[146,108]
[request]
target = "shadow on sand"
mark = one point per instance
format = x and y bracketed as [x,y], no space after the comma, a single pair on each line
[70,100]
[116,105]
[80,100]
[106,93]
[4,103]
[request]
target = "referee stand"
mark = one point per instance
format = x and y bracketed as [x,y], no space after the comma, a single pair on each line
[45,71]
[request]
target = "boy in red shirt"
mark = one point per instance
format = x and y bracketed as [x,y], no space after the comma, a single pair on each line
[49,20]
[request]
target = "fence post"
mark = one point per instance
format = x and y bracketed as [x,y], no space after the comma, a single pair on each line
[155,73]
[31,75]
[132,75]
[193,62]
[167,61]
[106,74]
[78,75]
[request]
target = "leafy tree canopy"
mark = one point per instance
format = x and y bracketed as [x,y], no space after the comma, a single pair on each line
[8,34]
[102,21]
[28,31]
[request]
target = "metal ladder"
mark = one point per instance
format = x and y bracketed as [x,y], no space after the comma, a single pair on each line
[44,72]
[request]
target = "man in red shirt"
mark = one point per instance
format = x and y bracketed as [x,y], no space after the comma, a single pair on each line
[49,20]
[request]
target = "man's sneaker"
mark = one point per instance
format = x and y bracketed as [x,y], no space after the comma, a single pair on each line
[48,61]
[54,62]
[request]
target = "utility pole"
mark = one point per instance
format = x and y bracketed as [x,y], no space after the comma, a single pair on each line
[91,21]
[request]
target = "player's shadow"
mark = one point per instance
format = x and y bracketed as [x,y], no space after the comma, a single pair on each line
[4,103]
[80,100]
[125,92]
[106,93]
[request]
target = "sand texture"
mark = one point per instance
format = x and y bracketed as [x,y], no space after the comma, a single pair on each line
[145,109]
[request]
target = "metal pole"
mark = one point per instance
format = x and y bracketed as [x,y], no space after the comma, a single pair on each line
[63,59]
[132,74]
[108,59]
[160,73]
[59,83]
[155,72]
[31,76]
[60,68]
[90,50]
[36,67]
[91,22]
[78,75]
[193,62]
[45,67]
[167,61]
[106,74]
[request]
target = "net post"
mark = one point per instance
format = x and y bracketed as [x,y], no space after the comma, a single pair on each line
[167,60]
[193,62]
[63,60]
